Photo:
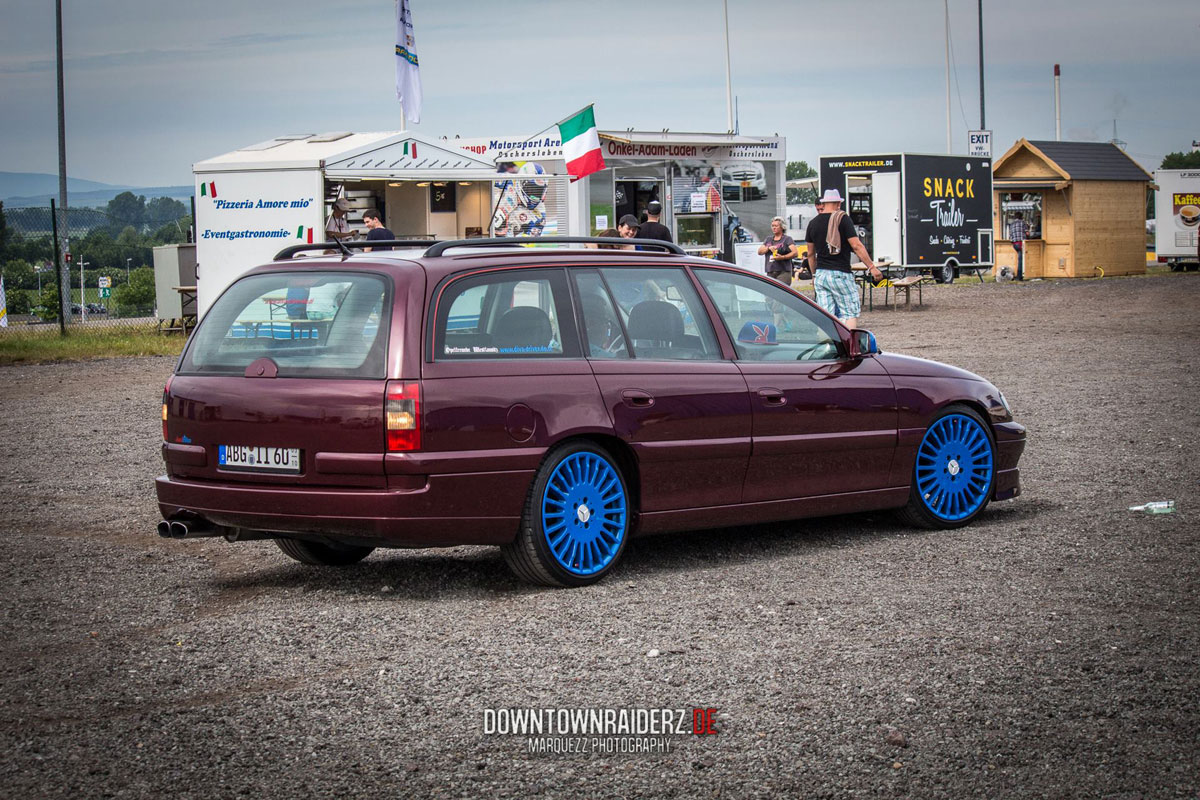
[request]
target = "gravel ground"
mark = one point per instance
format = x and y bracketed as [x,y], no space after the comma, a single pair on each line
[1048,650]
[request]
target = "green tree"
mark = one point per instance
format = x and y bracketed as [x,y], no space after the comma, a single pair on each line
[125,209]
[162,210]
[174,232]
[100,251]
[1181,160]
[137,296]
[19,300]
[800,169]
[19,274]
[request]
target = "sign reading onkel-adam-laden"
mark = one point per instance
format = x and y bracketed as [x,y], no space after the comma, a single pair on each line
[244,218]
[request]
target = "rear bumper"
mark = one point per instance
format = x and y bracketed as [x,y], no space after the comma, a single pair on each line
[447,510]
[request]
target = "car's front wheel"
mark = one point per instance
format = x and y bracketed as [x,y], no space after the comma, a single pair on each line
[954,473]
[327,555]
[576,519]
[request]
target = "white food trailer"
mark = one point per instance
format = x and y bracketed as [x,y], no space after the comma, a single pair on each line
[253,202]
[1177,217]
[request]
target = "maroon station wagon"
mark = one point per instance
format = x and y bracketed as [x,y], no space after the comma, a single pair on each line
[553,400]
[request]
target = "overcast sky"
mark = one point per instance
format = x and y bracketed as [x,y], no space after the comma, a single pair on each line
[154,86]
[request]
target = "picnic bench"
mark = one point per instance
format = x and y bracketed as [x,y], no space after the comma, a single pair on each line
[905,285]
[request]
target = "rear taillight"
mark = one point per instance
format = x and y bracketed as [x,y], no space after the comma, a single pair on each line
[403,416]
[166,393]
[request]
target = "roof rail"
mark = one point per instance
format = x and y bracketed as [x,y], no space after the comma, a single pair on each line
[439,248]
[344,247]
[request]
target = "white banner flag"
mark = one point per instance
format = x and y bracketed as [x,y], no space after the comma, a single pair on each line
[408,72]
[3,305]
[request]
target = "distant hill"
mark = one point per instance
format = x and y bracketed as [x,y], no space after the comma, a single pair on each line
[27,189]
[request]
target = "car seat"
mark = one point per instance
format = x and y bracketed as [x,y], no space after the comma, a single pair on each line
[523,326]
[655,323]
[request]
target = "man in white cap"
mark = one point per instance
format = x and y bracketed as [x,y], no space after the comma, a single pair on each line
[652,228]
[337,227]
[831,238]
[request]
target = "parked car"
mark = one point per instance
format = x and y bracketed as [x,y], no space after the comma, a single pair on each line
[554,402]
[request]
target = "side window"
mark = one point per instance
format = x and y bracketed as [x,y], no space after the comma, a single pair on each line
[505,314]
[768,324]
[603,337]
[662,313]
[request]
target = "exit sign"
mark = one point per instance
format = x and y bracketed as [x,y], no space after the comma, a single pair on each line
[979,143]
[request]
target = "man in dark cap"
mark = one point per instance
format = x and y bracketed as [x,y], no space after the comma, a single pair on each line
[628,226]
[652,228]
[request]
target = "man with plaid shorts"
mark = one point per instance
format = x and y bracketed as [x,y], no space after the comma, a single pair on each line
[831,238]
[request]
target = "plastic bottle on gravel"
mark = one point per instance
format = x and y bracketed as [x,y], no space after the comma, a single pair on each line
[1156,507]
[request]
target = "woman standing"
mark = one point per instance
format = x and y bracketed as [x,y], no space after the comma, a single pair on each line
[778,250]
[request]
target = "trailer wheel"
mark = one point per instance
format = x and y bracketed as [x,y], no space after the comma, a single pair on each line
[944,274]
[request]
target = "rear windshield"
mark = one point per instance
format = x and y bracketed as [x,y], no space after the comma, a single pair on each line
[312,324]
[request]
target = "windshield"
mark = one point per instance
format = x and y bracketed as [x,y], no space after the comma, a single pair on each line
[314,324]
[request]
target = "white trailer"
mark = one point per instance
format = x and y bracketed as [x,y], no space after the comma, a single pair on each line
[1177,218]
[255,201]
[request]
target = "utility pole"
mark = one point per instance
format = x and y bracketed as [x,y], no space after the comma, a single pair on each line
[982,117]
[728,76]
[64,275]
[949,135]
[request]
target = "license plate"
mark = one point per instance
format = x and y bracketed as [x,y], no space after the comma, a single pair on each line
[252,458]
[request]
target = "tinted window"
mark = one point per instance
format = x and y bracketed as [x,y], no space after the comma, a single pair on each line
[308,323]
[662,314]
[768,323]
[603,336]
[508,314]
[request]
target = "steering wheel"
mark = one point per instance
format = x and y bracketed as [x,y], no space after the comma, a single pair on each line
[822,347]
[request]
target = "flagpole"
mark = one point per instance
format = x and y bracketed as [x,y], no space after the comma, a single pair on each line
[402,119]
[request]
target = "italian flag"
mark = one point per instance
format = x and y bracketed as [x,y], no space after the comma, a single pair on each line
[581,144]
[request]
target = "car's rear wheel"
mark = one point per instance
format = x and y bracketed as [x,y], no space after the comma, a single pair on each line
[954,473]
[576,519]
[333,554]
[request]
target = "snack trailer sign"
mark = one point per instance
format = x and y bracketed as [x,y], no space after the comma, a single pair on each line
[947,200]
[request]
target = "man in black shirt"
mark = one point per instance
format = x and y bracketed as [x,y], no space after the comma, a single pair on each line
[375,229]
[831,237]
[652,228]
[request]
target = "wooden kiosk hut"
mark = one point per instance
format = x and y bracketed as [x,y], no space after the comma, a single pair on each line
[1083,202]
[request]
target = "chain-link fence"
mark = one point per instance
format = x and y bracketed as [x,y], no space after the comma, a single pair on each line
[85,270]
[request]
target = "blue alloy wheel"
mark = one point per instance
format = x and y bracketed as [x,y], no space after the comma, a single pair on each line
[954,467]
[584,513]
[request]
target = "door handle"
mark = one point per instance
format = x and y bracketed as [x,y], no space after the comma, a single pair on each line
[773,397]
[636,398]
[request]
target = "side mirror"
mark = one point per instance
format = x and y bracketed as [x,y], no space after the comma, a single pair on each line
[862,343]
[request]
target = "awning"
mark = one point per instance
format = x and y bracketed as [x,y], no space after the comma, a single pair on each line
[1029,183]
[804,183]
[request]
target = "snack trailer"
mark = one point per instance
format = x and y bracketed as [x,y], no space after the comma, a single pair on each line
[931,213]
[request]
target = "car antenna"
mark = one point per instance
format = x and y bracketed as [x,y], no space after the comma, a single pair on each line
[345,250]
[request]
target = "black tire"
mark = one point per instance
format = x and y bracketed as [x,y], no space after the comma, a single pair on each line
[944,274]
[585,482]
[323,555]
[970,471]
